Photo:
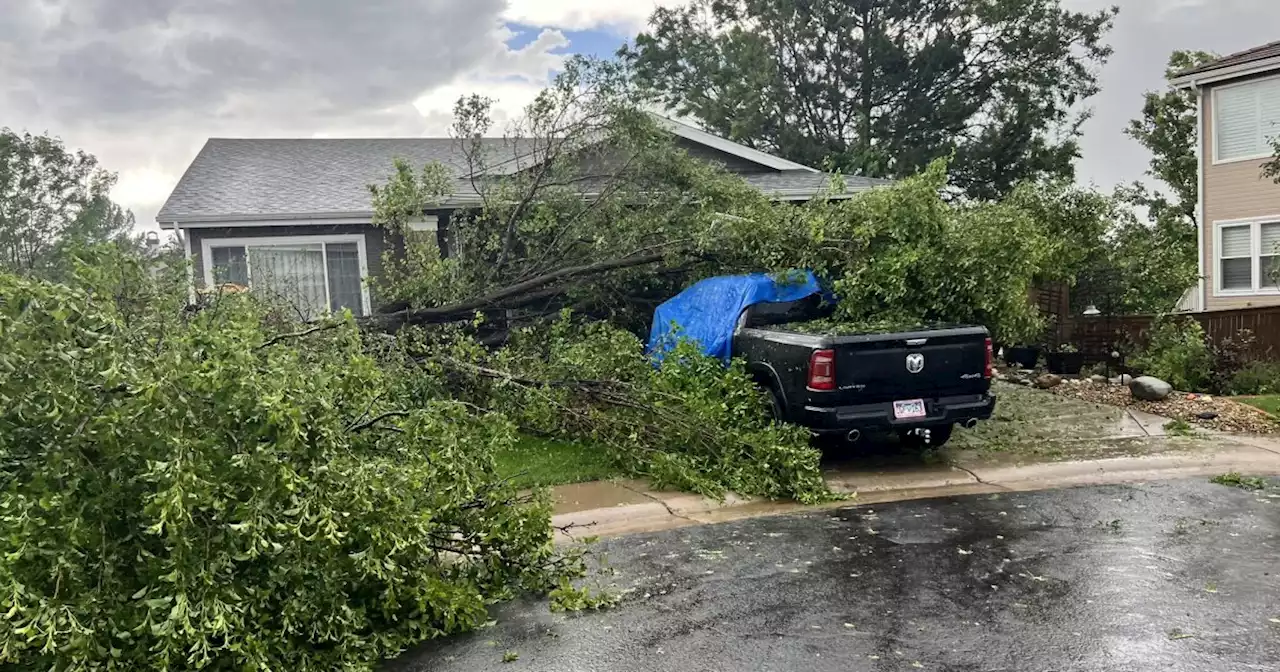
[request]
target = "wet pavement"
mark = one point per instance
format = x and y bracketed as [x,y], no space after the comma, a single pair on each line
[1170,576]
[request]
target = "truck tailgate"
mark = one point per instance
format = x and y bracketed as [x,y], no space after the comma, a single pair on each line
[887,367]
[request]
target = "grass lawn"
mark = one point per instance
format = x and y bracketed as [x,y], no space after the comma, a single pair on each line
[544,462]
[1267,402]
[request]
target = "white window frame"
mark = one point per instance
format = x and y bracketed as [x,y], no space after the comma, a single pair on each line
[1253,157]
[1255,254]
[207,245]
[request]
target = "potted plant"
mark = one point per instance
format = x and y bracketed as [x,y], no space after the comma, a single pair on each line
[1022,356]
[1066,360]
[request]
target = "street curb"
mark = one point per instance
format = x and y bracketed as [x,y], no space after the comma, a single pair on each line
[668,510]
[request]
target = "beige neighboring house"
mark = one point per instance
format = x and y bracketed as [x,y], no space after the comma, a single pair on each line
[1239,113]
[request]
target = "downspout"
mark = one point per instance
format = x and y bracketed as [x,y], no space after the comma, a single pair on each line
[1201,136]
[185,237]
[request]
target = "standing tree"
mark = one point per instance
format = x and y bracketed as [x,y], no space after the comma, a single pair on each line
[1168,130]
[1154,261]
[883,87]
[51,197]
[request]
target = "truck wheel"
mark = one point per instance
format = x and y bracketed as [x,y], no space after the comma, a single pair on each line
[777,412]
[938,435]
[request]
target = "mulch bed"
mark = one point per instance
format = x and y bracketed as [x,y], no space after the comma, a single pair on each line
[1233,416]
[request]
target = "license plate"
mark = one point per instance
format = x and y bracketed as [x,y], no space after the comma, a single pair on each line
[911,408]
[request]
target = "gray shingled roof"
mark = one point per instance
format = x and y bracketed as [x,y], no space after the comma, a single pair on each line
[248,179]
[798,182]
[1265,51]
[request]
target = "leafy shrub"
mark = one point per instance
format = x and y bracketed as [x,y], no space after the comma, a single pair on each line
[1177,353]
[1261,377]
[1230,356]
[177,493]
[690,424]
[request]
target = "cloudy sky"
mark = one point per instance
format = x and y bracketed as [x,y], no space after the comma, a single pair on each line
[142,83]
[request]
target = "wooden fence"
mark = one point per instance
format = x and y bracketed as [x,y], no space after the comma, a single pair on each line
[1098,335]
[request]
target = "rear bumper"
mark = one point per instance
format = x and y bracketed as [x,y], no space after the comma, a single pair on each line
[871,417]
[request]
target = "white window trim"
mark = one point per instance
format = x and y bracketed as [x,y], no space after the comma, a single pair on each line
[426,223]
[1255,253]
[207,245]
[1214,98]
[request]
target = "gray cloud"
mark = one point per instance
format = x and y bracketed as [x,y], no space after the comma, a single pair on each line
[142,83]
[142,58]
[1146,32]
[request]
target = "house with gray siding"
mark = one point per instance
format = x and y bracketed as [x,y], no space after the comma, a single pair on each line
[293,216]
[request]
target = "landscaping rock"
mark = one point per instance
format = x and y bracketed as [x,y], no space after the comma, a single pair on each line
[1122,379]
[1148,388]
[1207,415]
[1098,379]
[1048,381]
[1232,416]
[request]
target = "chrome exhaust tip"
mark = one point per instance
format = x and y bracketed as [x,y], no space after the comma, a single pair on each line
[853,436]
[970,423]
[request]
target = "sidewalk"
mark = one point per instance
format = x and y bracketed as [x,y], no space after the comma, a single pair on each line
[608,508]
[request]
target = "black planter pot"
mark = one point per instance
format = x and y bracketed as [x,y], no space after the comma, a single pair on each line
[1068,363]
[1022,356]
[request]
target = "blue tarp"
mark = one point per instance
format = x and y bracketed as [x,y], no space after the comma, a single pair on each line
[707,312]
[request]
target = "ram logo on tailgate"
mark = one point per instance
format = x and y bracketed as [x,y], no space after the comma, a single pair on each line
[915,362]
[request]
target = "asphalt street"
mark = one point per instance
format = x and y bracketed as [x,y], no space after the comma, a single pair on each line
[1180,575]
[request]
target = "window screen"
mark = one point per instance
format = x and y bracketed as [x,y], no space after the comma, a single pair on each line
[1246,118]
[230,266]
[343,260]
[1236,257]
[1269,255]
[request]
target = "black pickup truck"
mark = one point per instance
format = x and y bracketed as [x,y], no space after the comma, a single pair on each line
[919,383]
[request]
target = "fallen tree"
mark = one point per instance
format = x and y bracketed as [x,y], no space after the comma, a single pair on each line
[183,490]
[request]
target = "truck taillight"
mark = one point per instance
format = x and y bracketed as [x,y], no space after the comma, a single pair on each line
[822,370]
[986,371]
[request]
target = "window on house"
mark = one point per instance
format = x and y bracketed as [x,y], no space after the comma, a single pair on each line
[1236,258]
[1269,255]
[314,276]
[1248,257]
[1246,118]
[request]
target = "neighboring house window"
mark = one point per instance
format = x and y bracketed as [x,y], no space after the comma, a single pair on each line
[1248,256]
[314,274]
[1246,118]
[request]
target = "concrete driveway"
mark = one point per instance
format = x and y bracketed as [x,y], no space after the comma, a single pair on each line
[1169,576]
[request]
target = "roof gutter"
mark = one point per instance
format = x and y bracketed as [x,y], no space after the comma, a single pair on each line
[1238,71]
[171,223]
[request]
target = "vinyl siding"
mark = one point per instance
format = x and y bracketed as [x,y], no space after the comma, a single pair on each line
[1232,191]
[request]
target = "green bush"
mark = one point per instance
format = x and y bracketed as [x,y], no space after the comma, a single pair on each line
[1262,377]
[1177,353]
[176,493]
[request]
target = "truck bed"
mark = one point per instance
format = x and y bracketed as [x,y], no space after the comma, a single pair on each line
[946,367]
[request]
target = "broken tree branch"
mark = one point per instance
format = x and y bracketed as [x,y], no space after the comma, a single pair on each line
[502,298]
[376,419]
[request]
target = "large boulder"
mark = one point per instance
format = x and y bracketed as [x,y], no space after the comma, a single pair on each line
[1148,388]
